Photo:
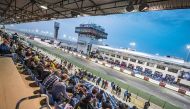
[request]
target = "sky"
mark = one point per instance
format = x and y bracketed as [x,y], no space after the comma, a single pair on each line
[158,32]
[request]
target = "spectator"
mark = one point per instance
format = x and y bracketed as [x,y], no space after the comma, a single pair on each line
[49,81]
[99,96]
[15,37]
[106,104]
[122,105]
[59,89]
[112,83]
[134,107]
[128,97]
[113,88]
[125,95]
[106,84]
[85,103]
[98,81]
[146,105]
[46,72]
[94,79]
[103,83]
[4,48]
[119,91]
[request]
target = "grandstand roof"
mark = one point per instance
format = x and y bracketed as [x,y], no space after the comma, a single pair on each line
[17,11]
[150,56]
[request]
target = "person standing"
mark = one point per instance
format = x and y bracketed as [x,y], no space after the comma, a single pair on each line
[125,95]
[98,81]
[146,105]
[103,83]
[128,97]
[119,91]
[106,84]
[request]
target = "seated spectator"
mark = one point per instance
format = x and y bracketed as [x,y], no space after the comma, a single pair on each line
[93,93]
[52,64]
[15,37]
[80,91]
[46,72]
[99,96]
[122,105]
[4,48]
[106,104]
[49,81]
[85,103]
[59,89]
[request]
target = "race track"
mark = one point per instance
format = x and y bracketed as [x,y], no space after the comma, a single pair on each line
[163,93]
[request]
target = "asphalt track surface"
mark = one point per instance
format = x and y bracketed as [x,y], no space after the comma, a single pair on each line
[168,95]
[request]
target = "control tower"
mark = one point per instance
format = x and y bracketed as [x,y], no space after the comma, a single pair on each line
[56,29]
[89,34]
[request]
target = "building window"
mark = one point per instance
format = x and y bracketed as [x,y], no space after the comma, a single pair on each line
[140,62]
[106,57]
[113,55]
[147,72]
[173,70]
[117,62]
[125,58]
[111,59]
[133,60]
[139,68]
[161,67]
[123,65]
[107,54]
[131,66]
[150,64]
[118,56]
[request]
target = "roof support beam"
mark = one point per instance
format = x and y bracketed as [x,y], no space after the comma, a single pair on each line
[97,6]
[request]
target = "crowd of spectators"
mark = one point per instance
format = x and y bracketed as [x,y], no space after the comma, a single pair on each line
[185,75]
[69,89]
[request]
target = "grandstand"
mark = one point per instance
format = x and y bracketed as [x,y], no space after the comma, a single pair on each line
[79,85]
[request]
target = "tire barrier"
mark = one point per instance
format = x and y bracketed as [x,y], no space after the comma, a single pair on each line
[132,74]
[121,69]
[112,66]
[182,91]
[146,78]
[162,84]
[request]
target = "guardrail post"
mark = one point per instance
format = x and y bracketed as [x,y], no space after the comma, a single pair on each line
[150,98]
[164,104]
[137,95]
